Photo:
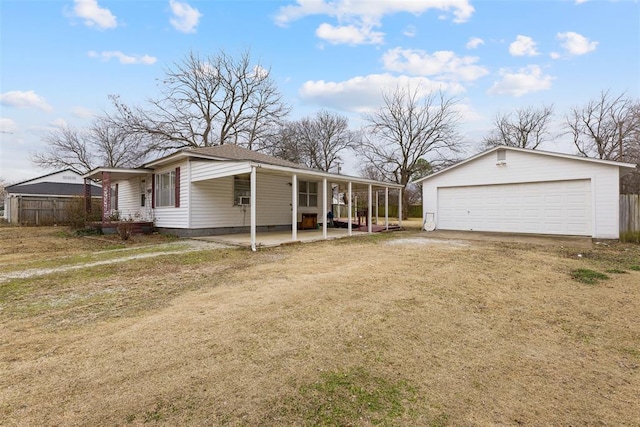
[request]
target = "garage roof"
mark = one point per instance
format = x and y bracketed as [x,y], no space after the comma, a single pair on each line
[527,150]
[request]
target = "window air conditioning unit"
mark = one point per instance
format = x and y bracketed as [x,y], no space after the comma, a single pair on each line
[244,200]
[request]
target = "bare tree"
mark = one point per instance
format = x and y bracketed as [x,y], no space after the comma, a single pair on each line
[601,127]
[408,128]
[103,143]
[208,101]
[525,128]
[315,142]
[3,185]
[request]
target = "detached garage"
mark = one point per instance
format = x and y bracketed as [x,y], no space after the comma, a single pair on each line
[515,190]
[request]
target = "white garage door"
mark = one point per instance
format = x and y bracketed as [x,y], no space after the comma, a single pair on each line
[556,207]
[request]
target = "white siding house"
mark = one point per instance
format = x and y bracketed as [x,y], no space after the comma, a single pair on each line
[226,189]
[507,189]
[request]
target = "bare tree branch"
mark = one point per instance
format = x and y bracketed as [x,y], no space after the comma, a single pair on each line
[408,128]
[208,101]
[526,128]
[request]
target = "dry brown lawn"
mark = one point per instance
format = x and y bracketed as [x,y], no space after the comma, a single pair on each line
[390,329]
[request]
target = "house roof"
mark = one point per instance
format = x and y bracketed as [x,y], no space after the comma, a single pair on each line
[231,152]
[46,175]
[52,189]
[235,152]
[528,150]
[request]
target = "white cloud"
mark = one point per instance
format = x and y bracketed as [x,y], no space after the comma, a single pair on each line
[24,99]
[526,80]
[7,125]
[576,44]
[82,112]
[523,46]
[474,42]
[186,18]
[349,34]
[581,1]
[94,15]
[59,123]
[368,10]
[124,59]
[364,93]
[410,31]
[443,64]
[364,15]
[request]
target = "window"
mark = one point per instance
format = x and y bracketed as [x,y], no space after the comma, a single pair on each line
[165,189]
[307,193]
[242,189]
[502,155]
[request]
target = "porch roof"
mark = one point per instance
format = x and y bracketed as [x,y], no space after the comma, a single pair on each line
[117,173]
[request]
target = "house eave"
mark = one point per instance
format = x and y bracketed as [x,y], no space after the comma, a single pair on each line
[327,175]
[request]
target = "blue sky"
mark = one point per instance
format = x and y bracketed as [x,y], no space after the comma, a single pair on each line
[59,60]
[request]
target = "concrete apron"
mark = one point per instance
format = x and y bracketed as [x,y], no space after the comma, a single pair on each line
[536,239]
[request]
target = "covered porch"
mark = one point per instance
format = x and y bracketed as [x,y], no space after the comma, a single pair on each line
[277,238]
[356,220]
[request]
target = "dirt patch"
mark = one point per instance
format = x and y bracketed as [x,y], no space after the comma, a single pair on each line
[428,241]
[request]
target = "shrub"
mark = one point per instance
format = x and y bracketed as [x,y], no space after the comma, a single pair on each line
[125,229]
[76,217]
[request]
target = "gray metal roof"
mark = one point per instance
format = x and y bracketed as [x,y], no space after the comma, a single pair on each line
[52,189]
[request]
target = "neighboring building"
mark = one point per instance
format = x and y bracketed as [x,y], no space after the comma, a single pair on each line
[224,189]
[516,190]
[43,200]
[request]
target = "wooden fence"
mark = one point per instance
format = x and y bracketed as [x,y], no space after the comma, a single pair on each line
[629,213]
[48,211]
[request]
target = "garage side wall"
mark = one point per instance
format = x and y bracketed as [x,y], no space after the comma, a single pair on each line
[522,167]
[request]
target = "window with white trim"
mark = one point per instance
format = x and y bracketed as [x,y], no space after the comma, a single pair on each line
[166,189]
[307,193]
[242,190]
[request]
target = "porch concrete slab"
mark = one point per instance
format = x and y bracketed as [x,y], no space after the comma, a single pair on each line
[277,238]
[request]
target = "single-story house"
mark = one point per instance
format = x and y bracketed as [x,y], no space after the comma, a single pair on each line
[516,190]
[226,189]
[43,200]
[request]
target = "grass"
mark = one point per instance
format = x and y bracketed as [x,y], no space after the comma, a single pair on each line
[339,398]
[588,276]
[630,237]
[371,331]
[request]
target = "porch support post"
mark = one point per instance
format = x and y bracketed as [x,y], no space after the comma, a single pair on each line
[338,200]
[106,196]
[377,207]
[386,208]
[252,206]
[324,208]
[349,227]
[294,207]
[400,207]
[369,200]
[87,196]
